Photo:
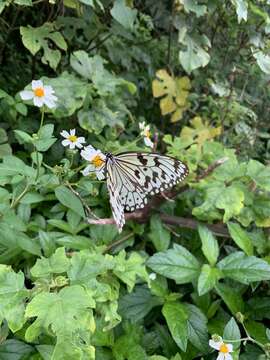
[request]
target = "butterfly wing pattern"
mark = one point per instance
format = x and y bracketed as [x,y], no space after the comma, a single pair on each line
[133,176]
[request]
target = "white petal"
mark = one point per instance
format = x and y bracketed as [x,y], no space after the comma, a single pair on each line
[49,102]
[72,132]
[26,94]
[221,356]
[48,90]
[38,101]
[230,347]
[228,357]
[100,174]
[64,133]
[81,140]
[215,344]
[89,169]
[142,125]
[78,145]
[66,142]
[72,145]
[37,84]
[148,142]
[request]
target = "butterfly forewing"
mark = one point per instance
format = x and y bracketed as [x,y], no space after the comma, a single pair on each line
[133,176]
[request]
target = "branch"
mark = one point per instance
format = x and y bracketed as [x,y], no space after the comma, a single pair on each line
[144,214]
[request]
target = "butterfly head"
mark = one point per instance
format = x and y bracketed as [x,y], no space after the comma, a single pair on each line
[109,157]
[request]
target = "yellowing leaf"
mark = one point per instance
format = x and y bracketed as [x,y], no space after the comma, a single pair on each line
[176,91]
[167,105]
[200,131]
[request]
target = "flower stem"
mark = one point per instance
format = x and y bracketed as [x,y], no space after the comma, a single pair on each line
[40,127]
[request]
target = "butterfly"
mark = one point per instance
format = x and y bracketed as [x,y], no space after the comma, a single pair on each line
[133,176]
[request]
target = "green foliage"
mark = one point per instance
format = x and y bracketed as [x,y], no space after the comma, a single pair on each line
[196,266]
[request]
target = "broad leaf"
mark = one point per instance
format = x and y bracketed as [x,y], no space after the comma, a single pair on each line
[177,264]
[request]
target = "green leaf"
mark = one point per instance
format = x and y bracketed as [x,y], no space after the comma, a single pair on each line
[13,349]
[61,312]
[232,332]
[12,166]
[257,331]
[194,56]
[259,173]
[193,6]
[12,298]
[231,298]
[245,269]
[70,200]
[197,328]
[36,38]
[225,202]
[176,316]
[210,247]
[125,15]
[136,305]
[86,266]
[241,9]
[58,263]
[263,61]
[129,269]
[208,279]
[23,137]
[240,237]
[177,264]
[159,235]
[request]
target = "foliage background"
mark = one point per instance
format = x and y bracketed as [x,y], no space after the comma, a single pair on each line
[198,72]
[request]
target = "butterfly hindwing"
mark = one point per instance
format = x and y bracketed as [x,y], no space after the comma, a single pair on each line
[133,176]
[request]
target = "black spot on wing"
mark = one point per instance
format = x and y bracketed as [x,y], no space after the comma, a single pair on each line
[142,159]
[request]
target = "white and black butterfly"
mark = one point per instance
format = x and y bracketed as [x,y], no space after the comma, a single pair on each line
[132,176]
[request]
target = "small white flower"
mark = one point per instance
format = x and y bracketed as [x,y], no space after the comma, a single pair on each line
[145,132]
[223,349]
[41,94]
[72,140]
[97,161]
[152,276]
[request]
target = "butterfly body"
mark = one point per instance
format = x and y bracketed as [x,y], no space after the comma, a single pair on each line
[133,176]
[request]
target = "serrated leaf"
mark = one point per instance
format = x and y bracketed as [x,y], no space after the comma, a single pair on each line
[224,201]
[245,269]
[241,9]
[70,200]
[128,269]
[259,173]
[197,328]
[136,305]
[176,316]
[58,311]
[210,247]
[58,263]
[208,279]
[241,238]
[12,297]
[177,264]
[231,298]
[232,332]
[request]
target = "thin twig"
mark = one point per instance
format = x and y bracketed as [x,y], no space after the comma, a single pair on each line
[118,242]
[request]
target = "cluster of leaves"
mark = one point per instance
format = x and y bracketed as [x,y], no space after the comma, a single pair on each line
[197,72]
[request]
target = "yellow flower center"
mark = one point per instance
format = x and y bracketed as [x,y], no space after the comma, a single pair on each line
[39,92]
[147,134]
[97,161]
[224,348]
[72,138]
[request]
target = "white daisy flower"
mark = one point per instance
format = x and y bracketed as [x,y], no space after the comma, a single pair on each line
[223,349]
[97,161]
[41,94]
[145,132]
[72,140]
